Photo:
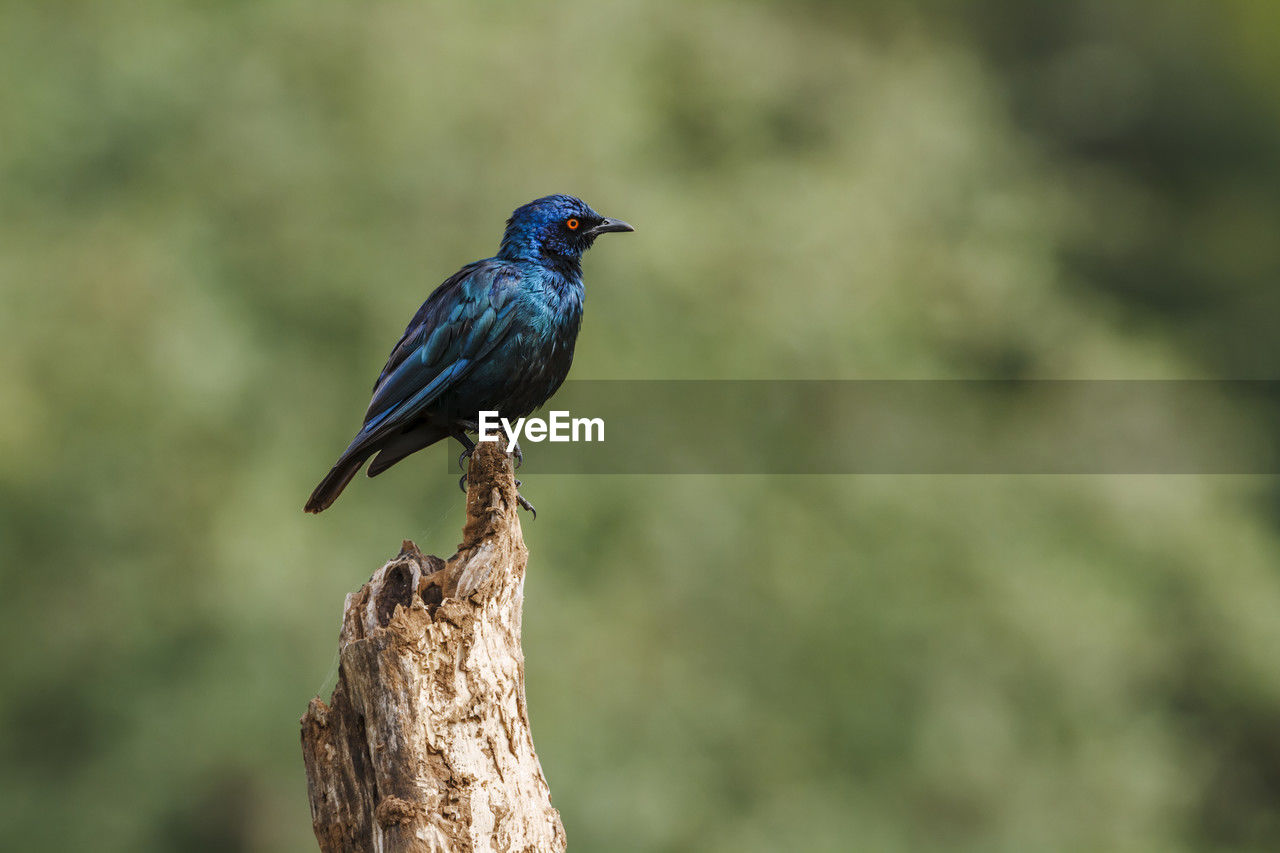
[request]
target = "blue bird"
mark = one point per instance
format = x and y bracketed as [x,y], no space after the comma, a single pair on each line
[497,335]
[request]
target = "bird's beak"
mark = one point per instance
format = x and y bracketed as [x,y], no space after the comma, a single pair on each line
[609,225]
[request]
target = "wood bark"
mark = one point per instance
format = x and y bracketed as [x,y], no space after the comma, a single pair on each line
[425,743]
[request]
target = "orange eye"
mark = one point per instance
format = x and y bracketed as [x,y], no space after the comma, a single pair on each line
[571,224]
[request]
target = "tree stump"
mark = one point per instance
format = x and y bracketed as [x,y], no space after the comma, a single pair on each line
[425,743]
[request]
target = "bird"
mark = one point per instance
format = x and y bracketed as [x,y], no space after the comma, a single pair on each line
[497,335]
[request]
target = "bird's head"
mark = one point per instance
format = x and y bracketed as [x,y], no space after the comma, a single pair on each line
[556,228]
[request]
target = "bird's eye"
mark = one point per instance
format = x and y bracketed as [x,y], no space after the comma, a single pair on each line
[571,224]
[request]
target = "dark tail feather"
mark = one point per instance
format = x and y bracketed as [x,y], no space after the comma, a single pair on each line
[336,480]
[404,444]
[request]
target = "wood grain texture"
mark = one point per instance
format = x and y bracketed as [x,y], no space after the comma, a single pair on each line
[425,743]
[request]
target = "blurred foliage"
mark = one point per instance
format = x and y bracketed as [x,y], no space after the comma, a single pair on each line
[217,217]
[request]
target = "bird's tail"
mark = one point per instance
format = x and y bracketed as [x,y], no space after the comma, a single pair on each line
[337,478]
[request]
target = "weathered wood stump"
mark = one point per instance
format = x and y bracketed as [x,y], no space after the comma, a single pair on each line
[425,743]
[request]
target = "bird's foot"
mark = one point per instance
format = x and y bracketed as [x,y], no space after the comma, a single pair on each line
[468,447]
[524,504]
[460,431]
[517,458]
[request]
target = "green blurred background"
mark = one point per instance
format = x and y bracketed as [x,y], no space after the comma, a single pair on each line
[215,219]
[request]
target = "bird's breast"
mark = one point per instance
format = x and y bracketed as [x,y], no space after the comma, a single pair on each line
[532,360]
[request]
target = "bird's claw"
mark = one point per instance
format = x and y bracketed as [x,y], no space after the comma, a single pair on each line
[524,503]
[517,458]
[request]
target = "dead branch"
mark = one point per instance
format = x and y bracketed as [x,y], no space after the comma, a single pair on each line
[425,743]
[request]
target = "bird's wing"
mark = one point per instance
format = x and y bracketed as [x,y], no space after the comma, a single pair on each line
[427,317]
[458,325]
